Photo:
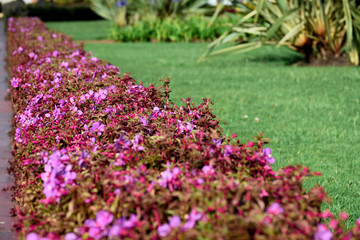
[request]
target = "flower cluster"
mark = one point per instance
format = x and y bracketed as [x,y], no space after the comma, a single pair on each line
[111,159]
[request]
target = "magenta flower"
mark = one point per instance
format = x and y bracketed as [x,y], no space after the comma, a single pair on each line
[32,236]
[97,126]
[323,233]
[189,225]
[267,154]
[115,230]
[175,221]
[131,222]
[96,232]
[208,170]
[164,230]
[103,218]
[64,64]
[195,215]
[275,209]
[136,143]
[71,236]
[176,172]
[15,82]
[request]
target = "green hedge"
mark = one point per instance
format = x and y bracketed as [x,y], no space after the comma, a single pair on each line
[172,30]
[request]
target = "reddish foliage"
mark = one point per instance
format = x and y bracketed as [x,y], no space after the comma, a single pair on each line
[97,156]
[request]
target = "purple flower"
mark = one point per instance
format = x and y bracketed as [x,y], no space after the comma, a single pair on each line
[322,233]
[166,176]
[15,82]
[95,232]
[195,215]
[216,142]
[189,225]
[228,150]
[143,121]
[32,236]
[136,144]
[275,209]
[122,3]
[131,222]
[71,236]
[64,64]
[190,126]
[176,172]
[208,170]
[114,230]
[267,154]
[164,230]
[97,126]
[104,218]
[90,223]
[175,221]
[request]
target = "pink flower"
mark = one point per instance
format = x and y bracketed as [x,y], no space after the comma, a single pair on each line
[103,218]
[333,223]
[275,209]
[208,170]
[326,214]
[97,126]
[344,216]
[263,193]
[71,236]
[15,82]
[175,221]
[164,230]
[267,154]
[64,64]
[322,233]
[32,236]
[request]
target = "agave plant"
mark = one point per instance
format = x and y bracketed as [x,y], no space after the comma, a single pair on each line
[315,28]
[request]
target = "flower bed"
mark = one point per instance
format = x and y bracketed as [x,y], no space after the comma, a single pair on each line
[97,156]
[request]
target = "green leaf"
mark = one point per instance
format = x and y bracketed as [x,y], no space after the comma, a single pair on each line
[293,33]
[238,49]
[272,31]
[259,7]
[326,23]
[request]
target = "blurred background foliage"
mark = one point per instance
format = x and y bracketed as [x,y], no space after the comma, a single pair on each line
[318,29]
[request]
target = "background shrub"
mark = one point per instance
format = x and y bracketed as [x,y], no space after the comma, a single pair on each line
[172,30]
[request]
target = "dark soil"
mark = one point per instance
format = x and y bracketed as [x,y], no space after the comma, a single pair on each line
[341,60]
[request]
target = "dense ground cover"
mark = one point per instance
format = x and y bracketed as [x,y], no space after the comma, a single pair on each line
[310,113]
[106,157]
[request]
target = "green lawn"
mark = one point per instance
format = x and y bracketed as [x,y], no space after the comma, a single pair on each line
[310,113]
[83,30]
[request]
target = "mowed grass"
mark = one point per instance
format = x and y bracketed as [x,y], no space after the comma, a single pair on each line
[83,30]
[310,113]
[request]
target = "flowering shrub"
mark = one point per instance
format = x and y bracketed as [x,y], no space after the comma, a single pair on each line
[97,156]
